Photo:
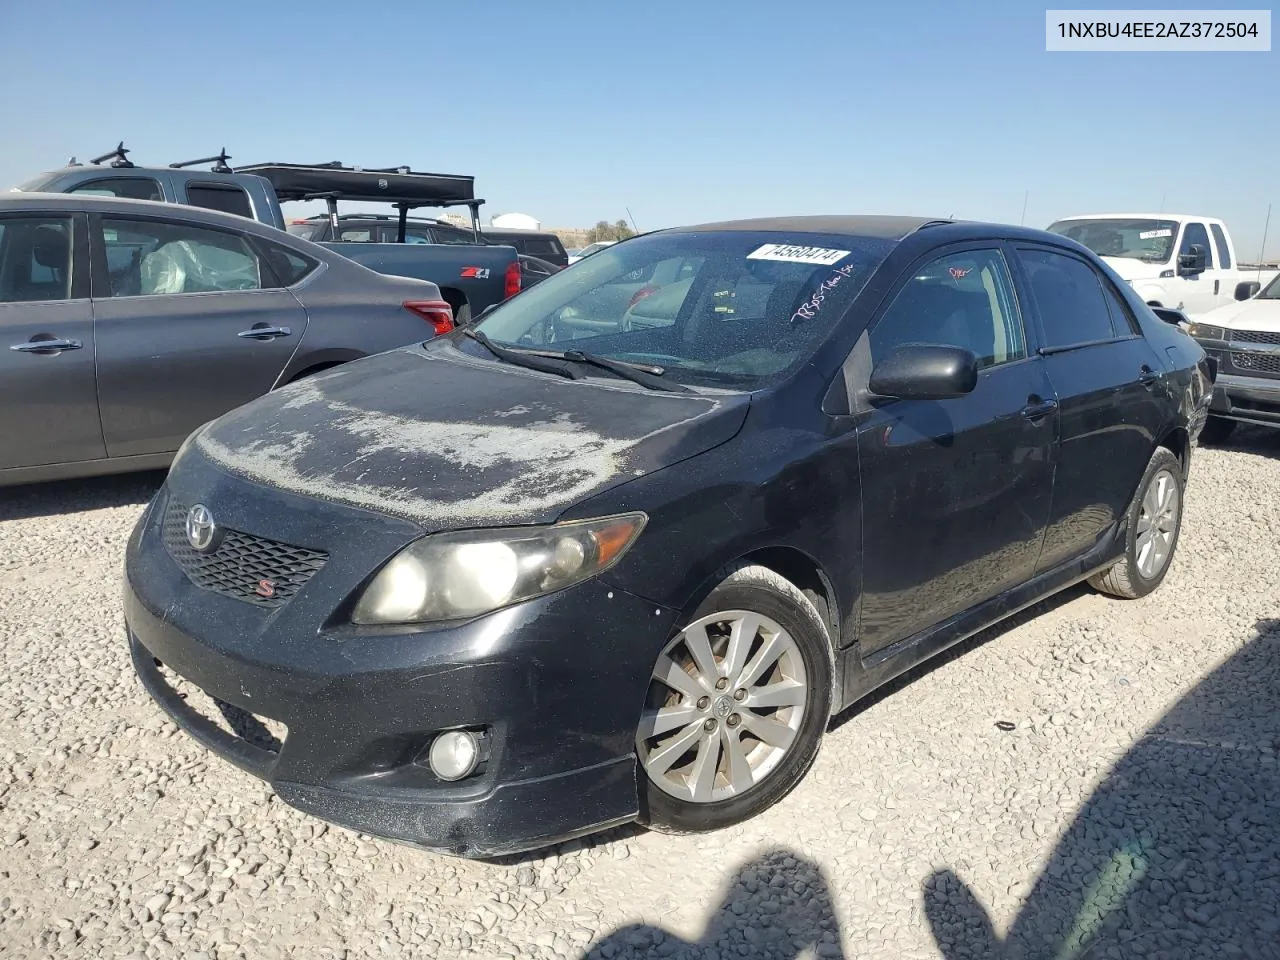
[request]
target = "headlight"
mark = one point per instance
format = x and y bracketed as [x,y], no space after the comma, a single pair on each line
[453,575]
[1205,331]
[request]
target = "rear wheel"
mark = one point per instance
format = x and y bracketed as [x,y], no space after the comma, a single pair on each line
[736,707]
[1154,522]
[1216,430]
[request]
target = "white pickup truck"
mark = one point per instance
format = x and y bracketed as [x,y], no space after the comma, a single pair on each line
[1172,260]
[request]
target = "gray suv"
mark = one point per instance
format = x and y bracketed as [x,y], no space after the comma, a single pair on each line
[126,324]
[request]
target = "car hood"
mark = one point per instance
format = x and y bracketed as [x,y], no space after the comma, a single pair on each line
[1135,270]
[450,441]
[1263,315]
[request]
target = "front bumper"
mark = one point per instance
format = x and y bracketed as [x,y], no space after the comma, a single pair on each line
[556,685]
[1247,399]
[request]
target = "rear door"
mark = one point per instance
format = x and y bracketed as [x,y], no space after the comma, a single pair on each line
[48,404]
[956,493]
[191,322]
[1111,389]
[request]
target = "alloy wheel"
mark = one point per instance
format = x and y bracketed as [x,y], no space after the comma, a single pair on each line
[725,704]
[1157,524]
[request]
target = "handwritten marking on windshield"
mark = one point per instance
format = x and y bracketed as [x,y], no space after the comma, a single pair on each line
[809,309]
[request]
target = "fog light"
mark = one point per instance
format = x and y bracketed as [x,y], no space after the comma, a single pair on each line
[454,754]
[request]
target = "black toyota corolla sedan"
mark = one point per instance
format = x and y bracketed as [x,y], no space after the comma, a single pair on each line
[619,549]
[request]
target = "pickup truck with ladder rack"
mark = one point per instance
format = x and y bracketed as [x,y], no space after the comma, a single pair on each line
[470,277]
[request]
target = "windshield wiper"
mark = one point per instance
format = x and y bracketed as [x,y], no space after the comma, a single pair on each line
[644,374]
[523,358]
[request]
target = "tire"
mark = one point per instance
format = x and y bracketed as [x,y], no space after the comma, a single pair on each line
[1216,430]
[1139,572]
[775,616]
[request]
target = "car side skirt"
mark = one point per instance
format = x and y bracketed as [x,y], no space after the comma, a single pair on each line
[14,476]
[861,675]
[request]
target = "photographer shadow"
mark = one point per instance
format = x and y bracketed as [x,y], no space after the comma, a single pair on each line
[1175,854]
[776,907]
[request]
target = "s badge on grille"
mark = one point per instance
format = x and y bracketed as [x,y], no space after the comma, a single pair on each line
[201,530]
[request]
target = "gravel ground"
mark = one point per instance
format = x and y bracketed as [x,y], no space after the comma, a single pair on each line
[1099,778]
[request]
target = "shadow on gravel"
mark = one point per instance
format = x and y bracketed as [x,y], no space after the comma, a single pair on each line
[72,496]
[1175,855]
[1246,438]
[777,907]
[959,650]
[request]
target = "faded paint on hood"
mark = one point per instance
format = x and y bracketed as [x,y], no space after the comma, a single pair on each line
[450,441]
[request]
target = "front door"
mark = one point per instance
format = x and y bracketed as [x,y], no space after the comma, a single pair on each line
[48,402]
[190,324]
[1196,291]
[956,493]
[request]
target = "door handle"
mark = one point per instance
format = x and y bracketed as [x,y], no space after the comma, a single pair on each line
[1148,377]
[47,346]
[1038,409]
[264,333]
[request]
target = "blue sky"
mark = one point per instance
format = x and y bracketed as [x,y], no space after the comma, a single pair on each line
[681,111]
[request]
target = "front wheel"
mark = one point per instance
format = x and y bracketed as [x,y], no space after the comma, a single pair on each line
[736,707]
[1154,521]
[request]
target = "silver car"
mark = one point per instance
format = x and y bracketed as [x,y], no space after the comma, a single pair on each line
[126,324]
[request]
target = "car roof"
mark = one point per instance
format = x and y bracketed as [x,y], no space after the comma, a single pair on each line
[883,227]
[72,202]
[1140,216]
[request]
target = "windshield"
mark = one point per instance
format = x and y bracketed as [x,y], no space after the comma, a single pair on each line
[731,308]
[1148,240]
[1271,291]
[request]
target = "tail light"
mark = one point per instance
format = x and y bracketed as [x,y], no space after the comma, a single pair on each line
[641,294]
[512,285]
[436,312]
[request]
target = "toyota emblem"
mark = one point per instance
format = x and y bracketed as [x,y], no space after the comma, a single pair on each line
[201,529]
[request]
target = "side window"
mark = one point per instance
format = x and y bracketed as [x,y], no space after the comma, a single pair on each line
[959,300]
[1197,234]
[220,196]
[1123,322]
[35,259]
[356,235]
[127,188]
[155,258]
[289,266]
[1069,296]
[1224,252]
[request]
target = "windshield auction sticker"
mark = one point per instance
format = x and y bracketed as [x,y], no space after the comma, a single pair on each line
[1240,31]
[790,253]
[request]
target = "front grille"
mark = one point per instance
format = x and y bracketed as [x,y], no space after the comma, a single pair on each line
[1259,362]
[266,573]
[1254,336]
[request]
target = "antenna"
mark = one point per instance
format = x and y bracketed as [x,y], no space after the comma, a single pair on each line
[1262,251]
[73,162]
[219,162]
[1025,197]
[632,219]
[120,154]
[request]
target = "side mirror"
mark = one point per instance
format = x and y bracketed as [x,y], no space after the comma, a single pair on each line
[920,371]
[1247,289]
[1169,315]
[1191,262]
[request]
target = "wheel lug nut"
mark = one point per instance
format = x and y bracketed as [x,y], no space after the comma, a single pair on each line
[739,695]
[734,720]
[708,724]
[722,683]
[704,702]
